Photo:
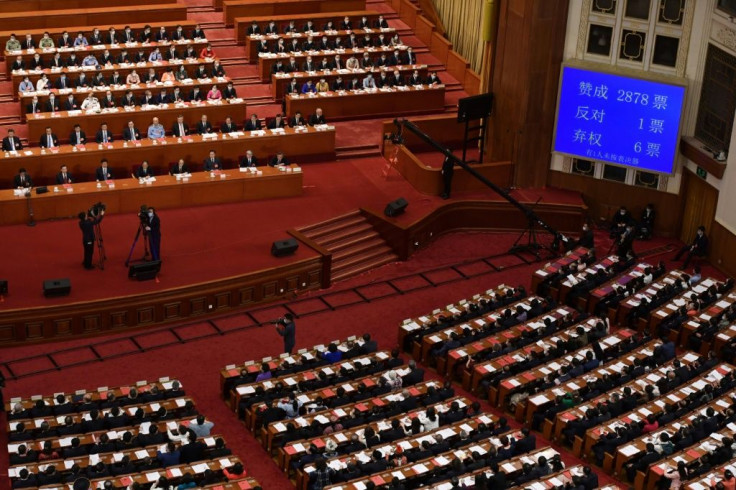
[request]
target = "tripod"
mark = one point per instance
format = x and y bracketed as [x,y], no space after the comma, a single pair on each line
[101,256]
[532,246]
[146,252]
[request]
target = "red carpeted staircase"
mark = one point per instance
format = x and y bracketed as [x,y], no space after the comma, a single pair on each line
[355,245]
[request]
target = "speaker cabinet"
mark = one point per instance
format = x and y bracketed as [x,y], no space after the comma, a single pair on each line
[395,208]
[145,271]
[3,287]
[282,248]
[56,287]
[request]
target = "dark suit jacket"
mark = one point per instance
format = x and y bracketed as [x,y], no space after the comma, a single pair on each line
[108,102]
[294,123]
[60,178]
[175,169]
[314,119]
[126,134]
[100,174]
[175,130]
[71,105]
[228,128]
[52,107]
[16,141]
[210,165]
[274,162]
[73,137]
[43,140]
[98,136]
[17,183]
[249,126]
[30,110]
[253,162]
[204,128]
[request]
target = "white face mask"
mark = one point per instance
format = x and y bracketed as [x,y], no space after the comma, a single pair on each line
[150,214]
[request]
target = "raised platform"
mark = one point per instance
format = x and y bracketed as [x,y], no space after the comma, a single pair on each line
[217,258]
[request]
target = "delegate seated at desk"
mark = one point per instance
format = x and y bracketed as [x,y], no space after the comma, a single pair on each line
[22,180]
[144,171]
[103,172]
[253,124]
[228,126]
[156,130]
[77,136]
[248,160]
[103,135]
[131,133]
[180,128]
[49,139]
[279,160]
[11,142]
[212,162]
[179,168]
[64,177]
[204,126]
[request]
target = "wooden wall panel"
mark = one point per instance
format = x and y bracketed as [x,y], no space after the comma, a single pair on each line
[528,54]
[722,246]
[699,201]
[442,128]
[472,82]
[408,12]
[603,198]
[424,30]
[169,306]
[457,66]
[440,47]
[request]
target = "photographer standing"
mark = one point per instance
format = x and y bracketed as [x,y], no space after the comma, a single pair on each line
[87,224]
[153,227]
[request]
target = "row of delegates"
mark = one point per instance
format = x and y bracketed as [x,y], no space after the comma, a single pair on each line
[104,172]
[325,43]
[112,36]
[352,63]
[346,25]
[369,81]
[91,102]
[107,59]
[63,81]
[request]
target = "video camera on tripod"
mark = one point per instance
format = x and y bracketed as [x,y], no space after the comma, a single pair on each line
[142,225]
[97,209]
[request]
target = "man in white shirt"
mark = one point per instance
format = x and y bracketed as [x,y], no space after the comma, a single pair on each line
[368,81]
[91,103]
[200,426]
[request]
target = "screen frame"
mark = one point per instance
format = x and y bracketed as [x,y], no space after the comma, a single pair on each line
[629,73]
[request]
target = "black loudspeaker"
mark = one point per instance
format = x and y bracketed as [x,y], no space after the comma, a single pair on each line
[395,208]
[3,286]
[282,248]
[42,190]
[56,287]
[145,271]
[474,107]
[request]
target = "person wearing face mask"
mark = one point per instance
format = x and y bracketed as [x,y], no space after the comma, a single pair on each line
[698,248]
[586,237]
[153,228]
[87,224]
[619,222]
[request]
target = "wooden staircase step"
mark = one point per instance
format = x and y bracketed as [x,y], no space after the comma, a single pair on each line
[363,245]
[364,267]
[353,240]
[328,240]
[328,229]
[360,258]
[314,226]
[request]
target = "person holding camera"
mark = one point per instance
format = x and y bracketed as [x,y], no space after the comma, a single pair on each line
[87,224]
[287,329]
[153,228]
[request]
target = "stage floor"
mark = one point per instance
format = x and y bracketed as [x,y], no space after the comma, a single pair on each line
[214,242]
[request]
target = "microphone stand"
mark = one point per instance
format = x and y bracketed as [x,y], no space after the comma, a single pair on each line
[31,221]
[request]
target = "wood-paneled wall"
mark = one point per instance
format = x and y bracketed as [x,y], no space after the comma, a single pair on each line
[605,197]
[528,53]
[722,247]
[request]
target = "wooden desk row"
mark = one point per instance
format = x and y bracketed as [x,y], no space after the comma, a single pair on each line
[152,14]
[412,471]
[167,192]
[602,291]
[275,429]
[370,103]
[420,351]
[319,19]
[254,40]
[658,315]
[299,146]
[44,5]
[689,327]
[27,55]
[254,366]
[280,82]
[62,122]
[237,8]
[655,406]
[554,267]
[97,395]
[549,482]
[526,409]
[72,73]
[267,61]
[626,306]
[244,392]
[407,443]
[295,449]
[567,285]
[119,91]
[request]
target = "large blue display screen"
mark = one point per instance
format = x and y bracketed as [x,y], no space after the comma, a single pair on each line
[618,119]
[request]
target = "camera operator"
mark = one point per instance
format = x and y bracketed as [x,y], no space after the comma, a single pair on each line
[87,222]
[153,228]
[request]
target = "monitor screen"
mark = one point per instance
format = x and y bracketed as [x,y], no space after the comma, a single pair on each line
[618,119]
